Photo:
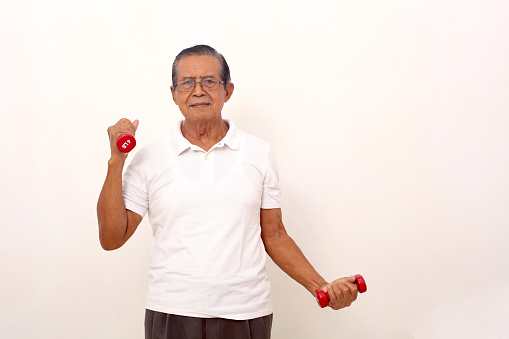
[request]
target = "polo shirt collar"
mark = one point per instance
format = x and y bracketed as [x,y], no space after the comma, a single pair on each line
[231,139]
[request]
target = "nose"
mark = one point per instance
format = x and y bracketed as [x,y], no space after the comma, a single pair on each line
[198,89]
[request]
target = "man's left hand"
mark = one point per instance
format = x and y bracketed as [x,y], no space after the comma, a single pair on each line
[342,292]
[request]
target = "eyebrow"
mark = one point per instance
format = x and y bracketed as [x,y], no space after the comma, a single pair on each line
[203,77]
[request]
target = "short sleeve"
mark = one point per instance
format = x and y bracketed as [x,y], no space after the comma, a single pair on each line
[134,187]
[271,197]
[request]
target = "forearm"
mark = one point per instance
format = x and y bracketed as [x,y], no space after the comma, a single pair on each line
[111,211]
[288,256]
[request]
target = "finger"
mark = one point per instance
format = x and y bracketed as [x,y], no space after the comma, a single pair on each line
[346,290]
[336,298]
[354,291]
[351,283]
[124,126]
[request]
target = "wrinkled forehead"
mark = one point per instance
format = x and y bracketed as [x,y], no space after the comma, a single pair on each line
[198,66]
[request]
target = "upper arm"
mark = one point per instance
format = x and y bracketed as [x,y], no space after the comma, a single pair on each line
[271,222]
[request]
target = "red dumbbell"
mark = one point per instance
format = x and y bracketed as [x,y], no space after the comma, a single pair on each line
[126,142]
[322,297]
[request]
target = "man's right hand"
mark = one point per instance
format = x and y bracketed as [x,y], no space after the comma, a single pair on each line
[122,126]
[116,223]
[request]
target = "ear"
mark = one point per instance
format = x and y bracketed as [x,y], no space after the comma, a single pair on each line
[174,95]
[229,91]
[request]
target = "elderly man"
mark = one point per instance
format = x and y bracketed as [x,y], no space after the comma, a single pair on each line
[213,199]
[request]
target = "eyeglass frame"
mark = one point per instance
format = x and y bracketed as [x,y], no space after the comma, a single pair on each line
[198,82]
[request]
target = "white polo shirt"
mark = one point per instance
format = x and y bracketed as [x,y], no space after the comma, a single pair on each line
[207,257]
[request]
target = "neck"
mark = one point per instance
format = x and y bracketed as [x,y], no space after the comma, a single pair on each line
[204,133]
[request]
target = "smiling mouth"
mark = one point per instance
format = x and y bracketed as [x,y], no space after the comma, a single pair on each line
[200,105]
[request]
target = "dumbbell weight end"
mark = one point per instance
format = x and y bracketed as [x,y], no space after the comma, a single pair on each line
[126,142]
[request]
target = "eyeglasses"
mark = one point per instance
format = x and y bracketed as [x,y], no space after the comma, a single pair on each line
[188,85]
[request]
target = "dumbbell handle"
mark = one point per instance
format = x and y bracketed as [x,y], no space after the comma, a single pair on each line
[126,142]
[322,297]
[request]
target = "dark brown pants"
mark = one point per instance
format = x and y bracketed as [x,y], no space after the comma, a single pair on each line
[168,326]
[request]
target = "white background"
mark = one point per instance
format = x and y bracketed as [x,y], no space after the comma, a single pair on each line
[390,124]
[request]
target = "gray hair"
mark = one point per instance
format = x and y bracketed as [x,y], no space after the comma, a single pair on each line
[224,70]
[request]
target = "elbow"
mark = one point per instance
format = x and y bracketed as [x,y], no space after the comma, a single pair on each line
[108,247]
[272,242]
[109,242]
[273,237]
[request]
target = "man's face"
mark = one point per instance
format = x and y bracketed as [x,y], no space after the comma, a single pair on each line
[201,105]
